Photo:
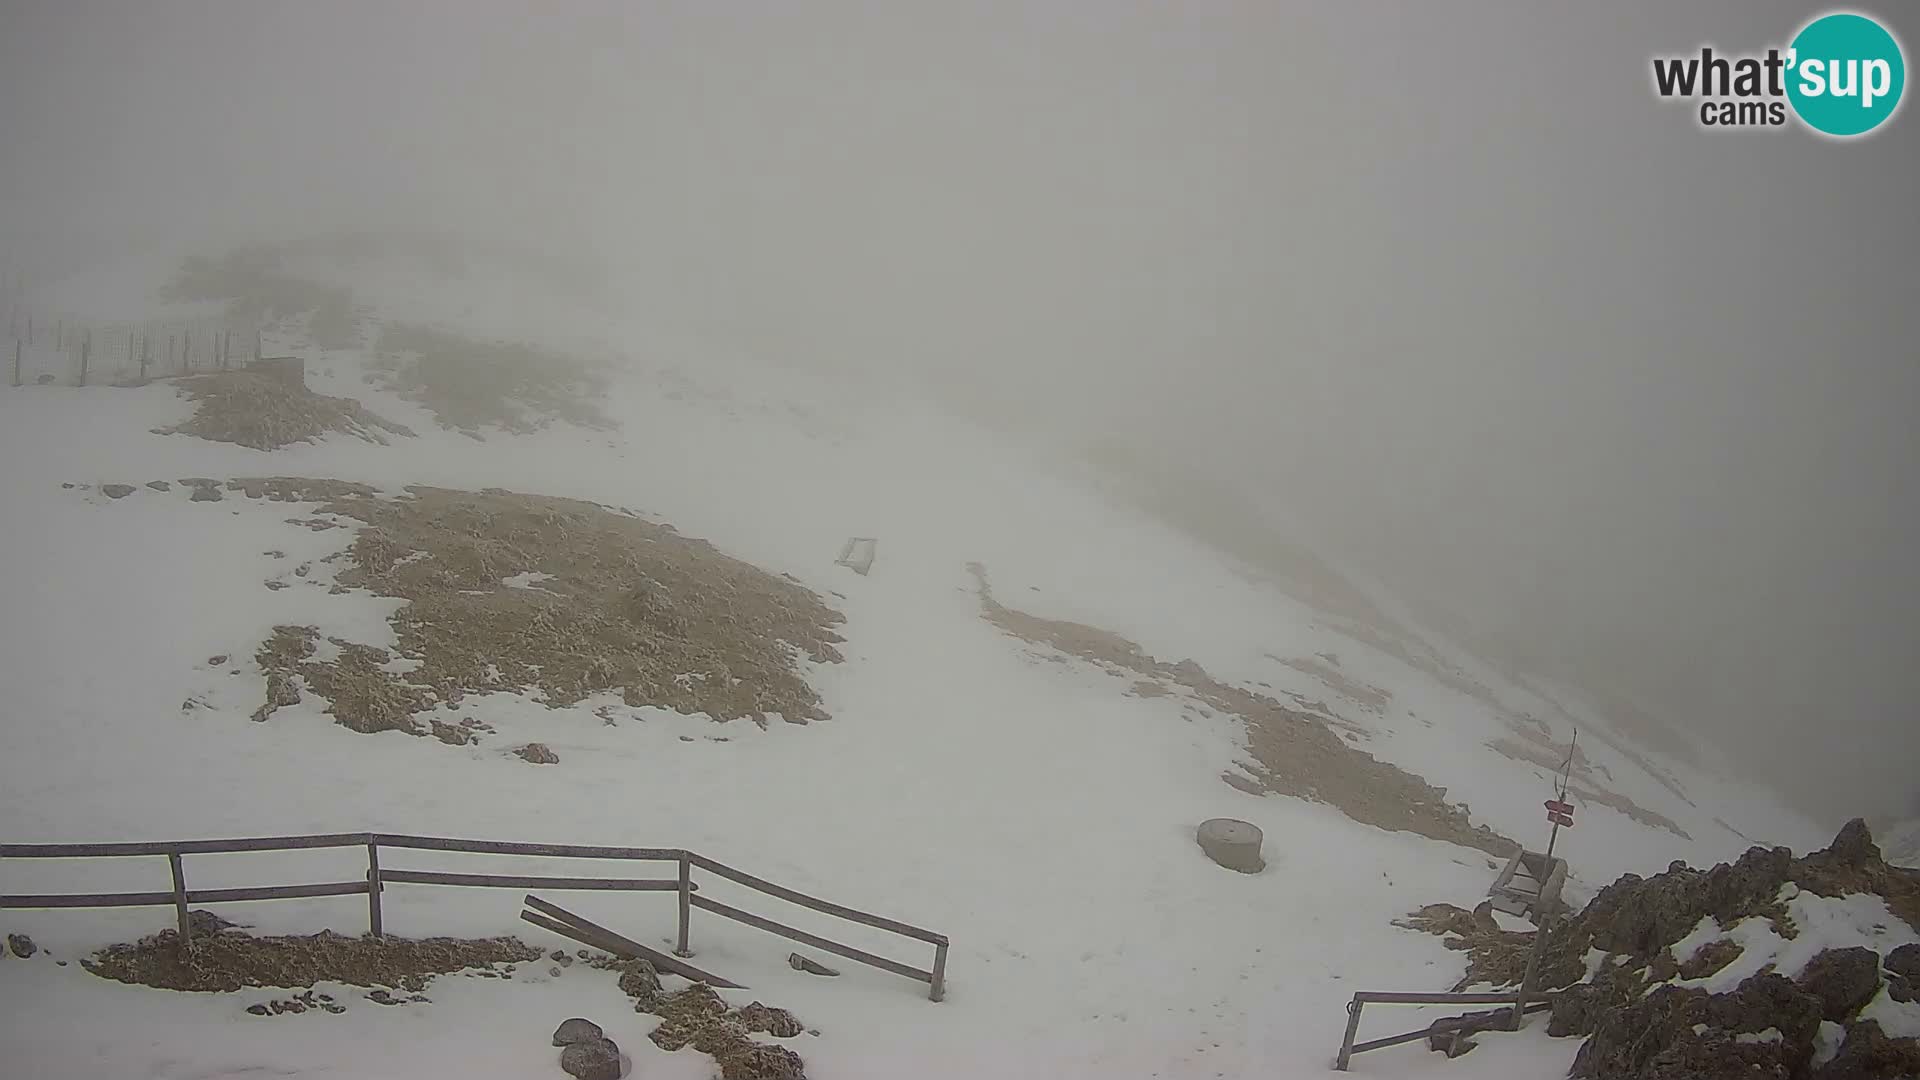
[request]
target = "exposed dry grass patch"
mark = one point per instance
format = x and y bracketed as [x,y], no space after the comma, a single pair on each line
[266,413]
[1294,753]
[474,385]
[556,597]
[227,959]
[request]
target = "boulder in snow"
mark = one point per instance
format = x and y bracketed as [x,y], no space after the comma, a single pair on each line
[538,754]
[593,1059]
[577,1029]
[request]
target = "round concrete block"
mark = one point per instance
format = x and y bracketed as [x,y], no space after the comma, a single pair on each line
[1232,843]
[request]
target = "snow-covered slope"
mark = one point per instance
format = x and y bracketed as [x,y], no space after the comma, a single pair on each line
[1035,812]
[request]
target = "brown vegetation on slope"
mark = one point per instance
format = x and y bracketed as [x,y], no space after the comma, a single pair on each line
[1294,753]
[601,600]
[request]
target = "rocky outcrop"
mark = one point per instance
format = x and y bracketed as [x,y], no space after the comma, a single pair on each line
[1650,1013]
[1843,979]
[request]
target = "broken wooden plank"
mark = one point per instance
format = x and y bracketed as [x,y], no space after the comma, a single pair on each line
[630,949]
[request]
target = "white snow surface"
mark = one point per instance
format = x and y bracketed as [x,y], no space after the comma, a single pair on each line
[1031,811]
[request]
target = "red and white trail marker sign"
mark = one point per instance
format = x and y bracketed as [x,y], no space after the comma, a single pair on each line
[1559,812]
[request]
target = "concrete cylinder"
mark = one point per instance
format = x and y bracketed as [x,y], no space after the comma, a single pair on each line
[1232,843]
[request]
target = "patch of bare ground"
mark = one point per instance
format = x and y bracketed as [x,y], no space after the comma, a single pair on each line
[266,413]
[1368,697]
[698,1017]
[1294,753]
[474,385]
[1545,753]
[225,959]
[554,597]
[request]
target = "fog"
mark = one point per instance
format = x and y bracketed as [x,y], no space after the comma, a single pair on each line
[1444,284]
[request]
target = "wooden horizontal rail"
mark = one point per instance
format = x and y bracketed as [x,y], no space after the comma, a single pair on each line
[507,847]
[814,940]
[326,840]
[194,896]
[180,847]
[277,892]
[66,900]
[817,904]
[429,877]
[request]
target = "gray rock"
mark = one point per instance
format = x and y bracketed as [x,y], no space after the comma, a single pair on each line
[159,485]
[578,1029]
[1903,972]
[206,494]
[1868,1054]
[116,491]
[1843,979]
[596,1059]
[22,945]
[538,754]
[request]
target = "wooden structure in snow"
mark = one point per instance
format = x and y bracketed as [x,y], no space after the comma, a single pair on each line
[857,554]
[1529,883]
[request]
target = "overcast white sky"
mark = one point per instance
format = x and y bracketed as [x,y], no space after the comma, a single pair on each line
[1444,278]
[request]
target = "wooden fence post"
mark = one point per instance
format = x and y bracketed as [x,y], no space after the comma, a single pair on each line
[226,348]
[180,898]
[686,904]
[170,342]
[146,348]
[86,353]
[258,344]
[939,988]
[186,349]
[373,889]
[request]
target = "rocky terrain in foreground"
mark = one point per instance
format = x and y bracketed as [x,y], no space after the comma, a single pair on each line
[1771,966]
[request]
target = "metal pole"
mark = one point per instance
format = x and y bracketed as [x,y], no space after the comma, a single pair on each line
[1345,1056]
[1533,962]
[939,989]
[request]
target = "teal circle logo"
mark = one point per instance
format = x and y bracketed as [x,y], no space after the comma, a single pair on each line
[1845,74]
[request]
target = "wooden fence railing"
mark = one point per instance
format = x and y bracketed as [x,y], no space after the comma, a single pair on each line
[378,877]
